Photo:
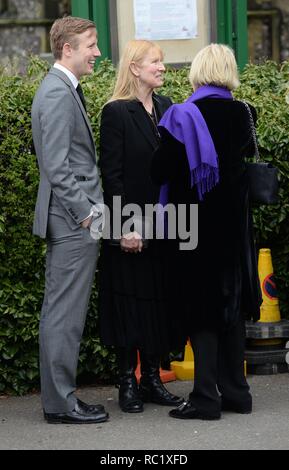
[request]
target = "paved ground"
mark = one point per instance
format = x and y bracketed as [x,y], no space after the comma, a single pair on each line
[22,425]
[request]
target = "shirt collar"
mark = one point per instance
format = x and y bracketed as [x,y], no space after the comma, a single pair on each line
[68,73]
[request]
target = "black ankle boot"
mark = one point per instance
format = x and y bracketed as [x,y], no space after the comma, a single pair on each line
[128,397]
[151,388]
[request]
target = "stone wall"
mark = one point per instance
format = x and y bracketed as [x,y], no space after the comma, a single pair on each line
[260,30]
[284,7]
[18,41]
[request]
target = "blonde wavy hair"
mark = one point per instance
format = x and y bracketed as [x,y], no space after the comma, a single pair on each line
[215,65]
[127,84]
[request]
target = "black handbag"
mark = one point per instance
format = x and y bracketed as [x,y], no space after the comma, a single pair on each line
[263,176]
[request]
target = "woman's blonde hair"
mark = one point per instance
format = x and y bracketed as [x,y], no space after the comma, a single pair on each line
[127,84]
[215,65]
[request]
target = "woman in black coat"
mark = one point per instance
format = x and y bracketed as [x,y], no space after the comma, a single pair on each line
[132,304]
[201,161]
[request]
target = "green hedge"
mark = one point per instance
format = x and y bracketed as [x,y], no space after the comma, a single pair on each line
[23,256]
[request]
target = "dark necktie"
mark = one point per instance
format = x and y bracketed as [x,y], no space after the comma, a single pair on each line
[81,95]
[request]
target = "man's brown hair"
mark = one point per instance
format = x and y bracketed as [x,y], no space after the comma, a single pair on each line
[66,30]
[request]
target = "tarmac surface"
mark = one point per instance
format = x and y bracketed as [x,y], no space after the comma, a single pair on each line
[22,426]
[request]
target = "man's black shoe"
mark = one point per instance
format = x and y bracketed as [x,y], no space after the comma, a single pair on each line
[89,408]
[79,415]
[188,411]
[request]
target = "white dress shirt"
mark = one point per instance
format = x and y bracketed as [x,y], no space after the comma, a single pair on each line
[68,73]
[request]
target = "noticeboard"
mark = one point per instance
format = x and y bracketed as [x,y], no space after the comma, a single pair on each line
[158,20]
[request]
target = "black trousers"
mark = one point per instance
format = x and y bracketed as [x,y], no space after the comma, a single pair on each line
[219,367]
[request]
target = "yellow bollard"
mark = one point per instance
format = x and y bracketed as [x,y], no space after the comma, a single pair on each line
[265,352]
[184,370]
[270,312]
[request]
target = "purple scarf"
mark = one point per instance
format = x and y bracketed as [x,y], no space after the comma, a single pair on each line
[186,124]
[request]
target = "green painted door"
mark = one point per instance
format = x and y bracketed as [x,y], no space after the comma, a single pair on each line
[97,11]
[232,27]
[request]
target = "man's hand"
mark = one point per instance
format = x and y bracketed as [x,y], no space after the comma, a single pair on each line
[86,223]
[131,243]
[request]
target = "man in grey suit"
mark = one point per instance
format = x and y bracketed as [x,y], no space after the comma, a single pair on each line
[69,190]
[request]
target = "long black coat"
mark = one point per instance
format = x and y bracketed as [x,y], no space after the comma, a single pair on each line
[127,143]
[133,307]
[218,279]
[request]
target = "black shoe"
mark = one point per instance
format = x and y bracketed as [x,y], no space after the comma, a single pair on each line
[89,408]
[78,415]
[155,392]
[128,398]
[151,388]
[241,408]
[188,411]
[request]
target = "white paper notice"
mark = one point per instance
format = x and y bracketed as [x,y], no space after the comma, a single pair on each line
[165,19]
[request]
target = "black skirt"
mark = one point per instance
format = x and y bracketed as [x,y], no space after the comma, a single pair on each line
[133,299]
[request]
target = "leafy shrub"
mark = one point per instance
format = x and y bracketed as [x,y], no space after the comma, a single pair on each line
[267,88]
[23,256]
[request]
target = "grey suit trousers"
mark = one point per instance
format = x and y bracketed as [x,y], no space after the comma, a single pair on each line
[70,268]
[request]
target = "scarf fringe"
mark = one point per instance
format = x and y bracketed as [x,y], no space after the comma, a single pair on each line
[205,178]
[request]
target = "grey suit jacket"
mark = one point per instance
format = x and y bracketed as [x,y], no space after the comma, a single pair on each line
[65,149]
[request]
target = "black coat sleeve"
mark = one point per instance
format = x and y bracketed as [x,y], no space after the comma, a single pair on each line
[111,152]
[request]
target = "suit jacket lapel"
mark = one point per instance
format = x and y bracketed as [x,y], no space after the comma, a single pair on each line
[76,96]
[142,122]
[65,78]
